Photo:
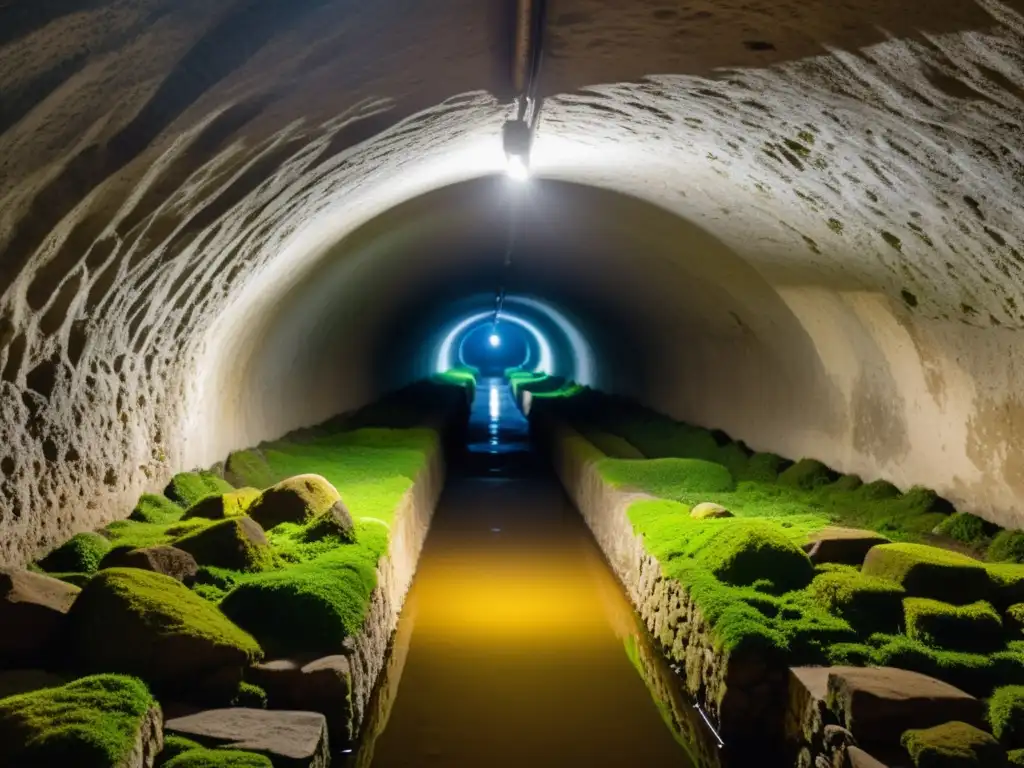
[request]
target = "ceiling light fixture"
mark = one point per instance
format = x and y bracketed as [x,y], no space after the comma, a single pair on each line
[517,138]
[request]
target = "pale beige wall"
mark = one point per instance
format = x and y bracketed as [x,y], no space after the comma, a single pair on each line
[173,192]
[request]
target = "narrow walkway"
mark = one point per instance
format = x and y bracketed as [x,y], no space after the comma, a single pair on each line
[514,633]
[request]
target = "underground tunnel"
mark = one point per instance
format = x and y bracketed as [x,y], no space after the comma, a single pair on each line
[552,381]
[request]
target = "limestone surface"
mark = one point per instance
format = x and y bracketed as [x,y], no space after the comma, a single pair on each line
[799,223]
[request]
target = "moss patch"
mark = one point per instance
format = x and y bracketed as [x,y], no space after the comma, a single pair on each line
[82,553]
[612,446]
[224,505]
[149,625]
[218,758]
[89,723]
[313,606]
[156,509]
[870,604]
[1006,715]
[967,529]
[238,544]
[808,474]
[250,469]
[976,626]
[188,488]
[925,571]
[953,745]
[175,745]
[667,478]
[1007,547]
[298,499]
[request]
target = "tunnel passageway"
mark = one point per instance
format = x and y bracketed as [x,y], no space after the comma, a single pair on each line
[514,632]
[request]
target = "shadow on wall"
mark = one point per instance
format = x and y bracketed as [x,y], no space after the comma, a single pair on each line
[672,315]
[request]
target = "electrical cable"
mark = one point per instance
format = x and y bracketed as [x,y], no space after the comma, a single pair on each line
[527,111]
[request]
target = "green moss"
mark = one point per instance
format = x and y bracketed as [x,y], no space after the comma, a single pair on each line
[870,604]
[925,571]
[251,696]
[765,467]
[1015,758]
[611,445]
[156,509]
[967,528]
[188,488]
[372,470]
[129,533]
[249,469]
[89,723]
[1014,618]
[879,490]
[953,745]
[974,627]
[1007,547]
[175,745]
[297,499]
[82,553]
[1006,715]
[808,474]
[237,544]
[121,606]
[219,758]
[223,505]
[847,483]
[667,478]
[851,655]
[313,606]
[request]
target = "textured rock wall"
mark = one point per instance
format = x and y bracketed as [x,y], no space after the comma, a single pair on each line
[369,650]
[742,693]
[817,245]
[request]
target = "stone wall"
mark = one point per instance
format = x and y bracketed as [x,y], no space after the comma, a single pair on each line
[743,695]
[368,651]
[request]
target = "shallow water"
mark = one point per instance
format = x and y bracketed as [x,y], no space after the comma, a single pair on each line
[517,645]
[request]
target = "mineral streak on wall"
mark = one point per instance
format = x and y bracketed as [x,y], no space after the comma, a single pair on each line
[800,223]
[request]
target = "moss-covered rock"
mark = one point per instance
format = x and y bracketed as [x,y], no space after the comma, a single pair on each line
[1007,547]
[156,509]
[189,488]
[79,554]
[250,695]
[966,528]
[972,627]
[1013,619]
[808,474]
[238,544]
[925,571]
[742,552]
[95,722]
[878,490]
[707,510]
[249,468]
[307,608]
[766,467]
[1006,715]
[869,603]
[298,499]
[175,745]
[223,505]
[151,626]
[170,561]
[218,758]
[1015,758]
[953,745]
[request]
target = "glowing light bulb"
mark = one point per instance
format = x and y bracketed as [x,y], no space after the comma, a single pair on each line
[495,340]
[517,168]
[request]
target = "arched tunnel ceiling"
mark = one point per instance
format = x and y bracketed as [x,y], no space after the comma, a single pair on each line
[826,259]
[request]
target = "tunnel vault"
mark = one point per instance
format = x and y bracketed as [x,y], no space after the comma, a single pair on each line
[798,224]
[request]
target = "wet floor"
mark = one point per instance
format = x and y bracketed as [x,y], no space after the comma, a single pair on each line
[515,645]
